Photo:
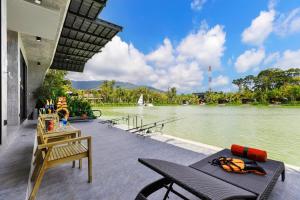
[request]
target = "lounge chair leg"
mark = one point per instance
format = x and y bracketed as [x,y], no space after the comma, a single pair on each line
[168,191]
[283,175]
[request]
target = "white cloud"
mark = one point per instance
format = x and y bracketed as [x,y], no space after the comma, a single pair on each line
[117,60]
[288,24]
[163,56]
[183,76]
[260,28]
[250,59]
[220,81]
[272,4]
[167,66]
[205,46]
[289,59]
[271,58]
[197,4]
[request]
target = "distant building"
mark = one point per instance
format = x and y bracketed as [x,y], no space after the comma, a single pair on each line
[201,96]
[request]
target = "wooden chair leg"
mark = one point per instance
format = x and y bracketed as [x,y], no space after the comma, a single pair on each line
[90,168]
[37,157]
[37,183]
[35,161]
[41,173]
[80,164]
[90,160]
[36,151]
[37,166]
[35,172]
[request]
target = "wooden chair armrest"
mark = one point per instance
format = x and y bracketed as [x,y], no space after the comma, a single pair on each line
[52,144]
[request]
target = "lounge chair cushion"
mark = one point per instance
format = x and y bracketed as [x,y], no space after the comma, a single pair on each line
[196,182]
[250,182]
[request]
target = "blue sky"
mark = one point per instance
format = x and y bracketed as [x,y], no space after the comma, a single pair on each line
[171,42]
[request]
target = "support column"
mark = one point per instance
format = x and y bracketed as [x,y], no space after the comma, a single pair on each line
[3,133]
[36,75]
[13,80]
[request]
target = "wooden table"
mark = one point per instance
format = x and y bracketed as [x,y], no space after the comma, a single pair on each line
[66,129]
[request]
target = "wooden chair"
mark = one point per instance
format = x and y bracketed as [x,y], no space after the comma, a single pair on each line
[55,136]
[49,116]
[43,117]
[51,154]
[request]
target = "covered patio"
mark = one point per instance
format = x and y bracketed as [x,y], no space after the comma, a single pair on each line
[116,171]
[63,35]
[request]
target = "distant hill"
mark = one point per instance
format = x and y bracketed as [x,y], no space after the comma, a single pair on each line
[87,85]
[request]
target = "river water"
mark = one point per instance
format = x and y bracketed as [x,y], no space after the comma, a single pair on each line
[275,129]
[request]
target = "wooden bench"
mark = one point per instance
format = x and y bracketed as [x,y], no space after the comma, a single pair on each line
[50,154]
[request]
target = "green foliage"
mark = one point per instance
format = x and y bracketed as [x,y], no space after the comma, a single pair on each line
[269,79]
[78,106]
[54,86]
[111,95]
[269,86]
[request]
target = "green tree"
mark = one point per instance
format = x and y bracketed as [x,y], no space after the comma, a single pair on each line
[238,83]
[172,92]
[54,85]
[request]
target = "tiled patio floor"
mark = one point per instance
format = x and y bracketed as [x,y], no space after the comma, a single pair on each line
[117,175]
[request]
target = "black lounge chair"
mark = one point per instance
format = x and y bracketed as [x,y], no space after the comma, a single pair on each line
[211,182]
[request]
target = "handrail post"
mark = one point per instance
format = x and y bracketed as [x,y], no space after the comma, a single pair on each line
[128,122]
[136,119]
[132,121]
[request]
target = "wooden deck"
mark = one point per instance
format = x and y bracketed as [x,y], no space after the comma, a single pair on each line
[116,173]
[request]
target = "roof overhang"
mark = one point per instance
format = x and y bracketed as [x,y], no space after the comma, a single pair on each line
[82,35]
[32,19]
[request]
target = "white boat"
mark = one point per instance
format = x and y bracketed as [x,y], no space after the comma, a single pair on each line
[141,100]
[142,103]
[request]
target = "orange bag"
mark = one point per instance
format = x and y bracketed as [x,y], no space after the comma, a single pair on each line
[238,166]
